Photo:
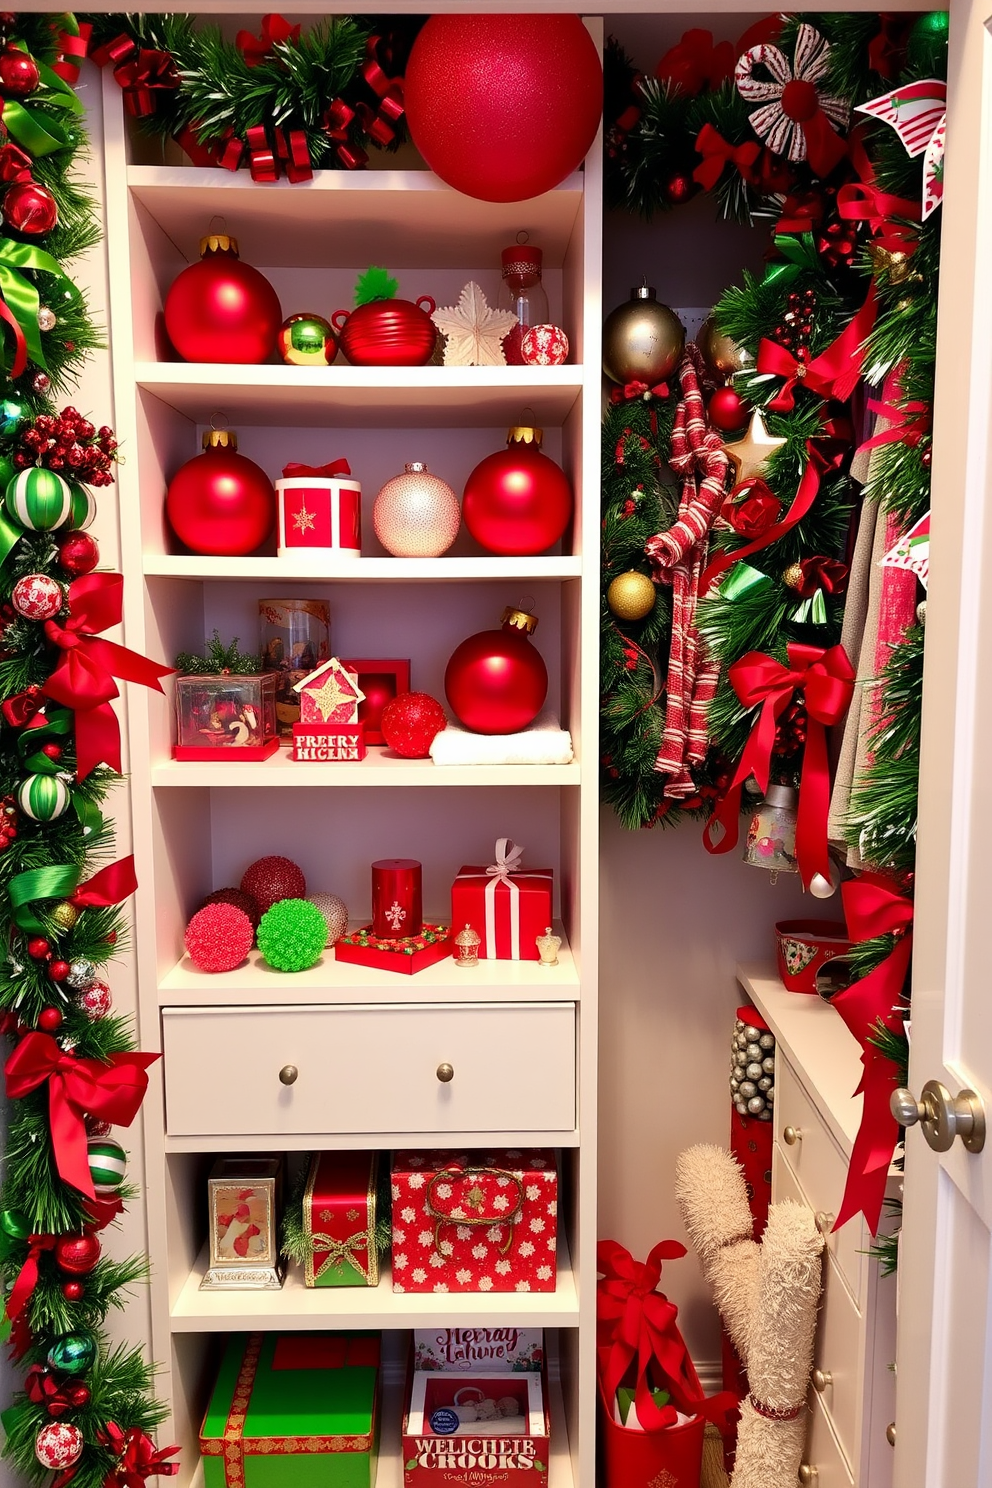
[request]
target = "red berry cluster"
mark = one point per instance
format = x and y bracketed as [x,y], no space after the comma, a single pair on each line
[69,442]
[790,736]
[8,822]
[797,323]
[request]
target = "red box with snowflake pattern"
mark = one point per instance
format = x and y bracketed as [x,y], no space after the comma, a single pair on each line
[484,1221]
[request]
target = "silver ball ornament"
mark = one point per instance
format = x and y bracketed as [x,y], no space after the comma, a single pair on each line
[765,1115]
[765,1083]
[748,1089]
[81,973]
[740,1107]
[751,1033]
[756,1105]
[767,1041]
[47,319]
[770,1096]
[768,1065]
[754,1071]
[753,1050]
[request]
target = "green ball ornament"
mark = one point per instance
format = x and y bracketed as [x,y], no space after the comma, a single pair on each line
[14,1224]
[82,509]
[12,414]
[108,1164]
[307,341]
[43,797]
[38,499]
[292,934]
[73,1353]
[927,41]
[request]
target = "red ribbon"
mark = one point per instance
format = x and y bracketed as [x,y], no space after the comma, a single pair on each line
[15,165]
[137,1457]
[886,46]
[42,1388]
[873,907]
[71,52]
[27,1277]
[833,374]
[908,423]
[827,574]
[102,1211]
[694,63]
[112,885]
[862,201]
[144,75]
[22,707]
[20,360]
[825,149]
[334,467]
[718,153]
[827,679]
[751,508]
[801,211]
[84,677]
[261,155]
[275,29]
[77,1088]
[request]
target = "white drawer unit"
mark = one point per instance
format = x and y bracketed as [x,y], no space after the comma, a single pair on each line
[425,1068]
[823,1464]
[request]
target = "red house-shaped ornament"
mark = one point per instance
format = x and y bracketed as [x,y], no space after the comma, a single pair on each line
[328,730]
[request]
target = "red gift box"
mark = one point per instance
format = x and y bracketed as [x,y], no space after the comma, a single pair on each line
[339,1220]
[489,1454]
[407,955]
[319,507]
[672,1456]
[508,906]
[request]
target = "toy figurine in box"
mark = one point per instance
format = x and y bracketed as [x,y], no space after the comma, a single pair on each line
[244,1194]
[508,906]
[294,639]
[294,1410]
[226,717]
[328,728]
[335,1227]
[475,1222]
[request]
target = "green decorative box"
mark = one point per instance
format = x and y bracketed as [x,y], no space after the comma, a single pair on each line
[294,1410]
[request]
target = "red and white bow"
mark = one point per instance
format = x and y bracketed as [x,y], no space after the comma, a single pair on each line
[795,119]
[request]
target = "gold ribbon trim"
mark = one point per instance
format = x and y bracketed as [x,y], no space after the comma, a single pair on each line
[460,1174]
[340,1252]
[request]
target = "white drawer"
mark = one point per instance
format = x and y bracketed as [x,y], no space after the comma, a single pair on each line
[821,1169]
[369,1069]
[823,1453]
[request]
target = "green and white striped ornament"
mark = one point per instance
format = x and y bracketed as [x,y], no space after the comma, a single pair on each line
[43,797]
[38,499]
[108,1164]
[82,507]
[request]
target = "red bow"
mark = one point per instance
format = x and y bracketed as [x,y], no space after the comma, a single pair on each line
[141,72]
[873,907]
[886,46]
[694,63]
[84,678]
[27,1277]
[137,1457]
[908,421]
[22,707]
[101,1211]
[833,374]
[751,508]
[801,211]
[111,885]
[267,158]
[718,153]
[862,201]
[322,472]
[275,29]
[71,52]
[42,1388]
[642,390]
[111,1090]
[821,573]
[825,149]
[15,165]
[379,124]
[827,679]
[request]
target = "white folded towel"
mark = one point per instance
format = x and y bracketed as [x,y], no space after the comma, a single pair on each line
[544,743]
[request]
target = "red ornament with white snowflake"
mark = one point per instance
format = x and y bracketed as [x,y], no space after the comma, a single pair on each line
[485,1223]
[544,346]
[96,1001]
[37,597]
[59,1445]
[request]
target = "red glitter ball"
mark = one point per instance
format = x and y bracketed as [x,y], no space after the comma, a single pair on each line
[410,723]
[49,1019]
[268,880]
[73,1291]
[239,899]
[219,937]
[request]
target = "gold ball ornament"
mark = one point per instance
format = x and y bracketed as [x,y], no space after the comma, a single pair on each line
[64,916]
[792,578]
[643,341]
[631,596]
[721,353]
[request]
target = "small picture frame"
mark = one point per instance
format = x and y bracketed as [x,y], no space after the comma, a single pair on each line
[380,681]
[244,1195]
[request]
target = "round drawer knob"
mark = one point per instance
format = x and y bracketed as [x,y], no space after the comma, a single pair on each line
[890,1433]
[821,1379]
[808,1473]
[289,1074]
[824,1222]
[791,1135]
[446,1073]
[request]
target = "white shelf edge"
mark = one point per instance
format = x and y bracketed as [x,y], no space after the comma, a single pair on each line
[208,178]
[234,1142]
[363,570]
[377,769]
[341,377]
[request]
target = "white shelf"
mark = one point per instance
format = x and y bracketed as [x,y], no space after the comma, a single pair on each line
[824,1047]
[379,767]
[315,565]
[332,219]
[216,1142]
[331,981]
[362,397]
[298,1307]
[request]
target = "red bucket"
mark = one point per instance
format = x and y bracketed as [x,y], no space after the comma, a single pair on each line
[804,946]
[645,1459]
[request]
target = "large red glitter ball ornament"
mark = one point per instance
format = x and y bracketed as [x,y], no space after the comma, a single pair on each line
[219,937]
[240,901]
[503,107]
[77,1254]
[268,880]
[410,723]
[78,553]
[727,410]
[19,74]
[517,500]
[222,310]
[37,596]
[29,207]
[220,502]
[496,681]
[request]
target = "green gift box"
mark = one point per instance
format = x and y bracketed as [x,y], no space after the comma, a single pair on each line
[294,1410]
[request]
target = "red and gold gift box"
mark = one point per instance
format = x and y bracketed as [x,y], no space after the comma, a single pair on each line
[475,1222]
[406,955]
[320,506]
[339,1220]
[507,905]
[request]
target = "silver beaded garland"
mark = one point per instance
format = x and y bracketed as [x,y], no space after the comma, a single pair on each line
[752,1071]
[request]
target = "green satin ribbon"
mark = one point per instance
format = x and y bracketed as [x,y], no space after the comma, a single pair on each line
[19,292]
[59,726]
[812,611]
[33,128]
[799,252]
[58,881]
[741,579]
[10,534]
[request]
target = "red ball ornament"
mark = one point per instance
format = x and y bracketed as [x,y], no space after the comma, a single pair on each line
[52,751]
[19,74]
[78,553]
[37,596]
[77,1394]
[73,1291]
[503,107]
[219,937]
[49,1019]
[58,970]
[38,948]
[268,880]
[241,901]
[496,681]
[29,208]
[222,310]
[95,1000]
[679,188]
[727,410]
[59,1445]
[517,501]
[410,723]
[220,502]
[77,1254]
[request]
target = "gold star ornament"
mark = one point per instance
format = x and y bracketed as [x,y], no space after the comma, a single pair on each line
[750,455]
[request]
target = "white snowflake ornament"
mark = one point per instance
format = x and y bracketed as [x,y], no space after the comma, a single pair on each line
[791,117]
[474,330]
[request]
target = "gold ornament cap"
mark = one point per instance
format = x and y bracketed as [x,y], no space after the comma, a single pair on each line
[525,434]
[515,619]
[218,243]
[220,439]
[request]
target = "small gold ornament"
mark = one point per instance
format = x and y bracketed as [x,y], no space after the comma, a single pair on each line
[643,341]
[793,576]
[64,915]
[750,455]
[721,353]
[631,596]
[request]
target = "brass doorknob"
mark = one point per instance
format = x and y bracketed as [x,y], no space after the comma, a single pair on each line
[289,1074]
[821,1378]
[791,1135]
[890,1433]
[808,1473]
[942,1116]
[446,1073]
[823,1221]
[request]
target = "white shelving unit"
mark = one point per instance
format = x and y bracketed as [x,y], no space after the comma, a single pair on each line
[197,826]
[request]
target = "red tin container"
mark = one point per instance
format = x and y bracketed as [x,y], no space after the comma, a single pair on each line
[388,333]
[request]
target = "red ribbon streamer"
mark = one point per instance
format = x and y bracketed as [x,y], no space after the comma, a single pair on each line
[20,361]
[112,885]
[872,907]
[275,28]
[718,153]
[827,679]
[137,1457]
[77,1088]
[834,373]
[27,1277]
[825,149]
[72,50]
[334,467]
[84,678]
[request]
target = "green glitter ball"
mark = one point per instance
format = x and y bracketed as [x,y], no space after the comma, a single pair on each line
[927,42]
[292,935]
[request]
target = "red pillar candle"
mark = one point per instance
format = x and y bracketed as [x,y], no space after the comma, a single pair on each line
[396,898]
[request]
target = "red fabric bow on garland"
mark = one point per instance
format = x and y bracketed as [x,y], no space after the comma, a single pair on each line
[275,29]
[42,1388]
[718,153]
[137,1457]
[695,63]
[827,680]
[77,1088]
[637,1325]
[321,472]
[142,72]
[873,906]
[832,374]
[84,677]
